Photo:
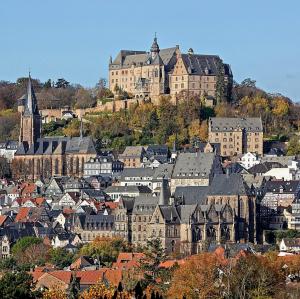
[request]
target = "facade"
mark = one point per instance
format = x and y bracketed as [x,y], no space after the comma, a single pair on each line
[8,149]
[46,157]
[149,75]
[196,74]
[195,169]
[102,165]
[249,160]
[132,156]
[236,135]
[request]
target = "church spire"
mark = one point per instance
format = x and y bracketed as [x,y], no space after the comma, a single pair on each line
[31,102]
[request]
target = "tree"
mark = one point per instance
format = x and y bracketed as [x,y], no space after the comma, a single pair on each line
[22,244]
[5,170]
[154,275]
[60,257]
[74,287]
[220,84]
[293,146]
[196,278]
[248,82]
[48,84]
[62,83]
[55,293]
[105,250]
[17,285]
[84,99]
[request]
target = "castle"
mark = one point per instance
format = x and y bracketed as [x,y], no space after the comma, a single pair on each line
[149,75]
[45,157]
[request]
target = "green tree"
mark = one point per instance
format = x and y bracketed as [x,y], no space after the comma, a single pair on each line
[62,83]
[220,84]
[17,285]
[60,257]
[23,243]
[5,170]
[293,146]
[74,288]
[150,264]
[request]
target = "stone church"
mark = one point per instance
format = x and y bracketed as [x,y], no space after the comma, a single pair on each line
[45,157]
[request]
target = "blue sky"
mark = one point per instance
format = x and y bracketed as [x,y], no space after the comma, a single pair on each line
[74,38]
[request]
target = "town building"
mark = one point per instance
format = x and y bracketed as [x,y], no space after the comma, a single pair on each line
[195,169]
[149,75]
[248,160]
[8,149]
[236,135]
[102,165]
[46,157]
[133,156]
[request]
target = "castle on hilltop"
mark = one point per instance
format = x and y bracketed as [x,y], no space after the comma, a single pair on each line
[149,75]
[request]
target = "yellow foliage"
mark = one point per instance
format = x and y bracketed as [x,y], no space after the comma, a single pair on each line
[55,293]
[101,291]
[281,107]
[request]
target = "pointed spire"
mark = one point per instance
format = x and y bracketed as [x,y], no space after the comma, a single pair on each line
[31,102]
[110,59]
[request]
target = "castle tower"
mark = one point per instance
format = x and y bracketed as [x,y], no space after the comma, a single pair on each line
[154,50]
[30,129]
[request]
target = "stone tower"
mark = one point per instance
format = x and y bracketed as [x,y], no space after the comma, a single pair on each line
[30,128]
[164,196]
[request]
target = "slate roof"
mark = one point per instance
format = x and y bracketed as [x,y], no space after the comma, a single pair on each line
[290,187]
[264,167]
[163,170]
[197,64]
[145,204]
[228,184]
[169,214]
[193,165]
[137,172]
[127,58]
[221,124]
[185,212]
[132,151]
[126,189]
[59,146]
[189,195]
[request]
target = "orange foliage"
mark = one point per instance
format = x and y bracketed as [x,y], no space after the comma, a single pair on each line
[100,291]
[196,277]
[54,294]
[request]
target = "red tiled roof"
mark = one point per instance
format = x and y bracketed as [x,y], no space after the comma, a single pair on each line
[23,214]
[2,219]
[113,276]
[91,276]
[64,276]
[171,263]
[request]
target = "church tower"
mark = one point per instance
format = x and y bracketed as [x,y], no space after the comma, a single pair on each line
[30,129]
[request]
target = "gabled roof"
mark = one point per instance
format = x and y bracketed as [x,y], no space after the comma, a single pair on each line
[194,165]
[250,124]
[197,64]
[189,195]
[228,184]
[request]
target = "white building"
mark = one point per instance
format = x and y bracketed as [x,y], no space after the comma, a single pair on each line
[249,159]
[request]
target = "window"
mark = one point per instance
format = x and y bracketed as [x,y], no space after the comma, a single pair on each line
[176,86]
[182,85]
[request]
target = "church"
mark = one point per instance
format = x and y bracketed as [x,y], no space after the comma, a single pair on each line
[44,157]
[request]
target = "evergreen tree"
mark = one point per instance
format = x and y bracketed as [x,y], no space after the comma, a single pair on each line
[220,84]
[74,288]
